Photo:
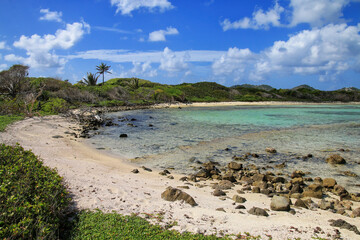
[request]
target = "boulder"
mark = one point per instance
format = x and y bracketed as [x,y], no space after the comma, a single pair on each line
[335,159]
[123,135]
[258,212]
[229,176]
[258,177]
[278,180]
[341,191]
[300,203]
[235,166]
[345,225]
[238,199]
[313,190]
[325,205]
[174,194]
[223,185]
[297,180]
[297,174]
[255,190]
[218,193]
[328,182]
[279,203]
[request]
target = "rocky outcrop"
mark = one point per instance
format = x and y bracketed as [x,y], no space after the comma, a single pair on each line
[174,194]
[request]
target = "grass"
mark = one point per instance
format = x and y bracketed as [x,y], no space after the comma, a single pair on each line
[98,225]
[8,119]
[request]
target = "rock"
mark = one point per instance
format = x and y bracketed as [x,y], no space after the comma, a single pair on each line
[203,173]
[57,136]
[146,169]
[266,192]
[183,179]
[184,187]
[258,212]
[281,165]
[300,203]
[297,174]
[235,166]
[218,193]
[123,135]
[261,185]
[328,182]
[341,191]
[279,203]
[349,173]
[335,159]
[296,189]
[240,207]
[270,150]
[255,190]
[135,171]
[174,194]
[345,225]
[238,199]
[278,180]
[220,209]
[318,180]
[325,205]
[258,177]
[313,190]
[356,212]
[298,180]
[229,176]
[223,185]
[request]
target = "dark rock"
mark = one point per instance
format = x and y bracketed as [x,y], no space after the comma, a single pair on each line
[57,136]
[313,190]
[123,135]
[220,209]
[297,174]
[345,225]
[349,173]
[341,191]
[329,183]
[258,212]
[235,166]
[255,190]
[335,159]
[278,180]
[218,193]
[300,203]
[296,188]
[223,185]
[279,203]
[258,177]
[229,176]
[203,173]
[297,180]
[183,179]
[174,194]
[325,205]
[266,192]
[356,212]
[281,165]
[238,199]
[135,171]
[255,155]
[292,211]
[146,169]
[240,207]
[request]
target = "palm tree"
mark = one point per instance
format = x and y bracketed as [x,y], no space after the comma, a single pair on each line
[102,69]
[91,79]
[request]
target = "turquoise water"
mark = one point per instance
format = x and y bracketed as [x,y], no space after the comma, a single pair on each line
[168,138]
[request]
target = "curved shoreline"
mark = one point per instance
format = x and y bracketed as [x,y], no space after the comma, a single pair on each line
[101,181]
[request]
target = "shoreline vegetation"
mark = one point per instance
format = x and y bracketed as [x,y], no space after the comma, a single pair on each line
[229,203]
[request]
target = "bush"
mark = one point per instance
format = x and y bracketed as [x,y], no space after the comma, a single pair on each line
[33,198]
[54,106]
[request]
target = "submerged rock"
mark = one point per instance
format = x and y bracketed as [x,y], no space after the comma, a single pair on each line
[270,150]
[335,159]
[174,194]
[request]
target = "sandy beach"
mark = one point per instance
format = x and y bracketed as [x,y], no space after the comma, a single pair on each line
[99,181]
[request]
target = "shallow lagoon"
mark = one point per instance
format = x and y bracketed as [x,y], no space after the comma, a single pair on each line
[169,138]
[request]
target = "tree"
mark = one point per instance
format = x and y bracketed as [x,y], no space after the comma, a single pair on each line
[13,81]
[91,79]
[102,69]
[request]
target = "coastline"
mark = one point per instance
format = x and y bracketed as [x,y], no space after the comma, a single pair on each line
[97,180]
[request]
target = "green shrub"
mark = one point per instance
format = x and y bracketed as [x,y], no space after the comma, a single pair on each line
[98,225]
[111,103]
[32,196]
[54,106]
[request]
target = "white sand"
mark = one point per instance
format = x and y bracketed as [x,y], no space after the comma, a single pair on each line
[106,183]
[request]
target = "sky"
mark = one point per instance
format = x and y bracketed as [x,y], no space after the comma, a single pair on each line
[282,43]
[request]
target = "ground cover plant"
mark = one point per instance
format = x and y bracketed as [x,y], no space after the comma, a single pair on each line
[8,119]
[33,199]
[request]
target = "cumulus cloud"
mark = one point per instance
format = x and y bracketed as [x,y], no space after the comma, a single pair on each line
[173,63]
[158,36]
[40,50]
[326,51]
[50,16]
[259,20]
[3,67]
[143,69]
[233,63]
[127,6]
[317,13]
[3,45]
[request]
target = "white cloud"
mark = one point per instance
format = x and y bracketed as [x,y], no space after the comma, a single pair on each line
[233,63]
[172,63]
[3,67]
[40,49]
[158,36]
[127,6]
[51,16]
[143,69]
[260,20]
[317,13]
[327,51]
[3,45]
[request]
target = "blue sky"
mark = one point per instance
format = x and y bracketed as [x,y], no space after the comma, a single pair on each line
[282,43]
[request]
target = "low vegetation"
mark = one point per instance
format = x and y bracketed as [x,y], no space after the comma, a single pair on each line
[8,119]
[33,199]
[20,94]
